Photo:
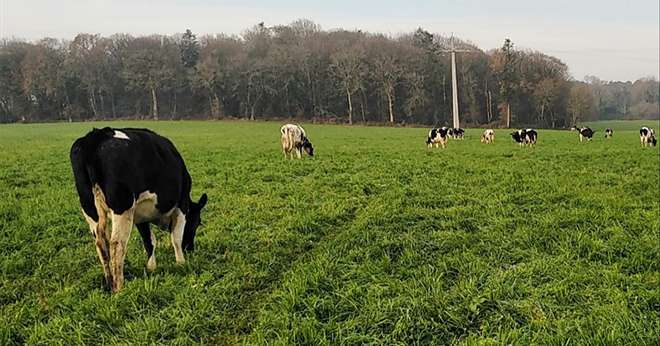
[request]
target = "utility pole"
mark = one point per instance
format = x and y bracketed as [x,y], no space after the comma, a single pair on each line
[454,89]
[454,82]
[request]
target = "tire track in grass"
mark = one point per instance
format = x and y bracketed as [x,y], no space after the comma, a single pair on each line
[304,222]
[323,229]
[357,192]
[283,286]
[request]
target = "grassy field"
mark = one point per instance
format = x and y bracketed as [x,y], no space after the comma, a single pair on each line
[375,240]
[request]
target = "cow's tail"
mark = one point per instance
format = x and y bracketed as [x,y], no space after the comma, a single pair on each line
[82,155]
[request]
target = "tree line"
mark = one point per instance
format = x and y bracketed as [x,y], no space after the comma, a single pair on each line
[301,71]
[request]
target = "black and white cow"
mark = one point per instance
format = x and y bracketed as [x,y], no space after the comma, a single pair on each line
[585,133]
[456,133]
[608,132]
[531,136]
[647,137]
[294,139]
[518,136]
[438,136]
[488,136]
[525,137]
[133,176]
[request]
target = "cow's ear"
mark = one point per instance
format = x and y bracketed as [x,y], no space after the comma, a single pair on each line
[202,201]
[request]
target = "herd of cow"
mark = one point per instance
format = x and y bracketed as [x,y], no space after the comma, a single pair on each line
[439,136]
[137,177]
[646,135]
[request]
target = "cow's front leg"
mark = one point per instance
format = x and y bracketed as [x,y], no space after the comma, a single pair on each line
[101,244]
[121,231]
[149,242]
[177,226]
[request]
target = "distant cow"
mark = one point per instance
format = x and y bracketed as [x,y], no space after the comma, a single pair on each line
[647,136]
[525,137]
[530,136]
[133,176]
[608,132]
[456,133]
[585,133]
[438,136]
[488,136]
[294,140]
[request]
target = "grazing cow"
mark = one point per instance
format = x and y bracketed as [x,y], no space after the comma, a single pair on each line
[525,137]
[133,176]
[518,136]
[608,132]
[438,137]
[585,132]
[530,136]
[456,133]
[488,136]
[647,137]
[294,139]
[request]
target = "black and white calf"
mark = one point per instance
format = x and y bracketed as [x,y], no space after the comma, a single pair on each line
[133,176]
[294,139]
[608,132]
[438,136]
[525,137]
[456,133]
[647,137]
[585,133]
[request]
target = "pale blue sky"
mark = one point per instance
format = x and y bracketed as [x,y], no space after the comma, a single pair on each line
[615,40]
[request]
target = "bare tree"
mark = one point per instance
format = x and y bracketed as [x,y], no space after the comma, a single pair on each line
[580,103]
[298,70]
[348,68]
[150,66]
[388,73]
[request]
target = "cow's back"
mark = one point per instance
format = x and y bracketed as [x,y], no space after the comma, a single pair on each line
[127,162]
[292,135]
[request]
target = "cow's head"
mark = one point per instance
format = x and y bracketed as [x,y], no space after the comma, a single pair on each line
[193,219]
[307,146]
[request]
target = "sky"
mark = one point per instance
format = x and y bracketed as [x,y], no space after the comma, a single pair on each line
[611,39]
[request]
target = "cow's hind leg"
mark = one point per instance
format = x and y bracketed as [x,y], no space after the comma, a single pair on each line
[101,244]
[121,231]
[149,242]
[177,226]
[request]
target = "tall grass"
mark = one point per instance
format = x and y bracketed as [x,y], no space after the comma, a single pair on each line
[374,240]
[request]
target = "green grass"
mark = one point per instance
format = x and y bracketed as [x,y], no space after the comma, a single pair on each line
[374,240]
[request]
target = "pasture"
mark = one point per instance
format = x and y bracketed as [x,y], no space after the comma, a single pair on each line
[374,240]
